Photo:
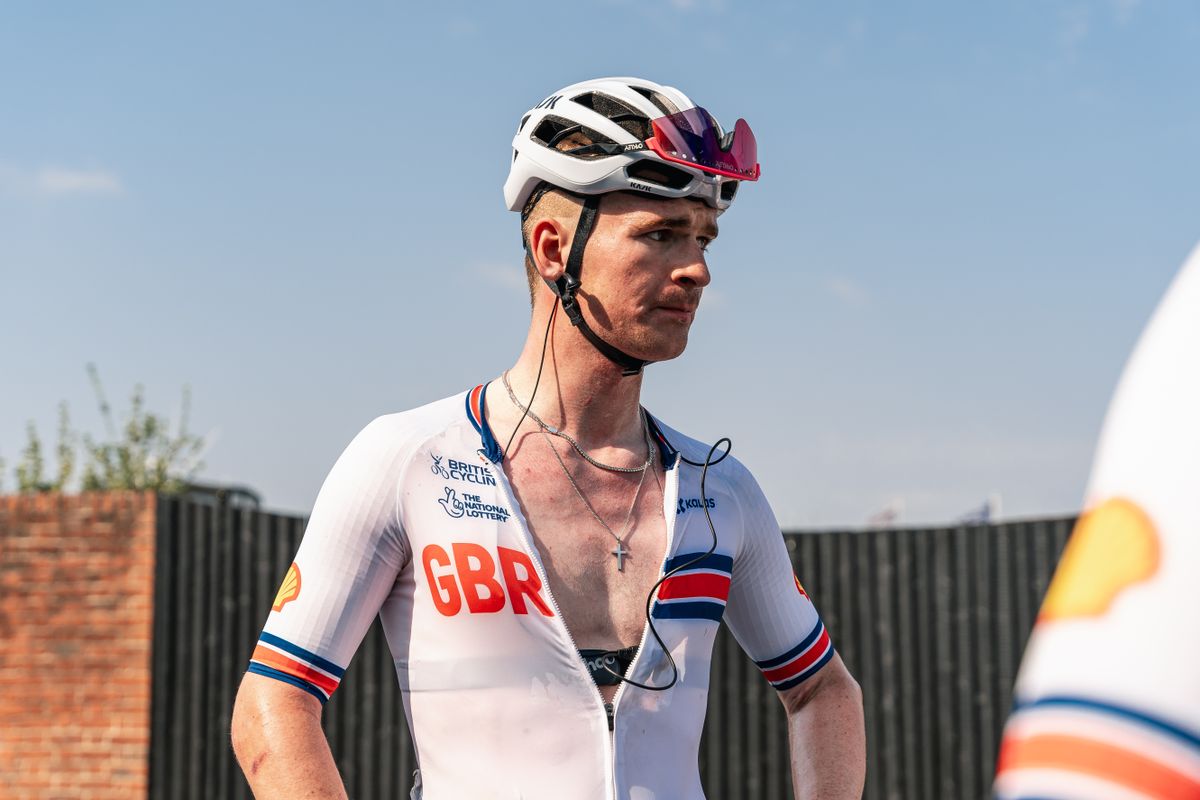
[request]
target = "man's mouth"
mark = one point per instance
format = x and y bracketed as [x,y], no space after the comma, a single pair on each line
[680,311]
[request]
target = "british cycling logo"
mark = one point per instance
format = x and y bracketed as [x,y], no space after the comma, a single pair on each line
[461,471]
[689,503]
[471,505]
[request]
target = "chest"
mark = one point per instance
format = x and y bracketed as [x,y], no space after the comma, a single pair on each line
[603,606]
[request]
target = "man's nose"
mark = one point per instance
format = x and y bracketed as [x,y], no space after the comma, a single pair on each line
[694,272]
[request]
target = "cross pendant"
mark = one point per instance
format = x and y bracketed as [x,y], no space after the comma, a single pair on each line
[620,554]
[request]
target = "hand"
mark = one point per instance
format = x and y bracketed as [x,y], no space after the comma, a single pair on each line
[451,504]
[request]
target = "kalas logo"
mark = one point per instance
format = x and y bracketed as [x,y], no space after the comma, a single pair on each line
[461,471]
[689,503]
[471,505]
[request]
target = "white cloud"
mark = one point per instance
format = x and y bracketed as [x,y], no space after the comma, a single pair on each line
[848,291]
[58,181]
[65,181]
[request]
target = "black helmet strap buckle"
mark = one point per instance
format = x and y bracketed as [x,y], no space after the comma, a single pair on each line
[567,285]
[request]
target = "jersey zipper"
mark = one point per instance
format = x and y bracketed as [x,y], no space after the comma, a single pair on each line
[669,500]
[609,709]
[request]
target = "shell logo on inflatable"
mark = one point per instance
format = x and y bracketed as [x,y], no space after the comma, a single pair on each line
[289,590]
[1113,547]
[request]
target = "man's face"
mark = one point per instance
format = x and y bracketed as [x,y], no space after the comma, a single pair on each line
[644,271]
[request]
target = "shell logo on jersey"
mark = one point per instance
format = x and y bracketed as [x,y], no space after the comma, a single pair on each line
[471,576]
[289,590]
[1114,546]
[799,586]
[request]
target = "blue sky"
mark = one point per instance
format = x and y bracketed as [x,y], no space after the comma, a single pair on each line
[967,213]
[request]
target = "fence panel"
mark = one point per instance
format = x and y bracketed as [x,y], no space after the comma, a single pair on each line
[931,622]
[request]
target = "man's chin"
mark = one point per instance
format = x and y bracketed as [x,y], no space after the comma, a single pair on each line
[660,348]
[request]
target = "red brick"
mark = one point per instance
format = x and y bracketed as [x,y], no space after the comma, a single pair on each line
[76,614]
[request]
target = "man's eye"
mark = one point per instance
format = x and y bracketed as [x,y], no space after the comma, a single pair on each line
[705,243]
[659,235]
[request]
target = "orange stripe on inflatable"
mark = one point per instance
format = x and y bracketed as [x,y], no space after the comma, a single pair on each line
[1098,760]
[265,655]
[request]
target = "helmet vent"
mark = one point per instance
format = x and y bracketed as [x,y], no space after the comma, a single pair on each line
[649,170]
[566,136]
[665,105]
[613,109]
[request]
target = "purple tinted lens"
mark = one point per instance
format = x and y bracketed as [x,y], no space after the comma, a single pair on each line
[692,136]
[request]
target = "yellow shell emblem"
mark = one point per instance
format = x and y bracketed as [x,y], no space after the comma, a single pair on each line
[1113,546]
[798,586]
[290,589]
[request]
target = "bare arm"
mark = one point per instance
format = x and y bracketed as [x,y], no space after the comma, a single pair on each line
[279,743]
[826,734]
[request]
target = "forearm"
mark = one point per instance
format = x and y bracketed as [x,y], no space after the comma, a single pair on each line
[281,748]
[827,741]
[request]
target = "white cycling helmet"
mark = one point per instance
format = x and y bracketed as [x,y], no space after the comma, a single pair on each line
[615,135]
[635,135]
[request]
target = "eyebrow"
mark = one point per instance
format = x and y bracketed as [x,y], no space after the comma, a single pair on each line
[683,223]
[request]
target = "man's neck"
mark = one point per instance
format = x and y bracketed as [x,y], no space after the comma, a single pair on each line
[581,392]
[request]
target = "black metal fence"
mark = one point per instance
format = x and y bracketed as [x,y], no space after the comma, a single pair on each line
[932,623]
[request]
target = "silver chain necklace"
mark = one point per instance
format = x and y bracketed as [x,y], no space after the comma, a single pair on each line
[620,552]
[546,430]
[564,435]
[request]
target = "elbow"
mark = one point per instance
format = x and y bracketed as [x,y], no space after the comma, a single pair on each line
[833,685]
[247,726]
[240,733]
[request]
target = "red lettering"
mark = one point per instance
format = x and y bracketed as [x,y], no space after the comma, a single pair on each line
[452,602]
[474,577]
[518,588]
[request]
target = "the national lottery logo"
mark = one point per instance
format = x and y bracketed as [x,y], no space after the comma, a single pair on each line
[452,469]
[471,505]
[690,503]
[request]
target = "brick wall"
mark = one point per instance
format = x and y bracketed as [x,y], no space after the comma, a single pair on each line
[76,590]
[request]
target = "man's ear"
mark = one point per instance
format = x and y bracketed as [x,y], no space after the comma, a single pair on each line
[549,246]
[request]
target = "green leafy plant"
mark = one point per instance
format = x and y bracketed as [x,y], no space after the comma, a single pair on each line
[143,455]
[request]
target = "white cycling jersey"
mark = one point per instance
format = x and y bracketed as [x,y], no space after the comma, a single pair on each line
[417,523]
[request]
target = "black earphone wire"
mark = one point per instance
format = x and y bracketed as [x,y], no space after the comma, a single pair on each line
[708,462]
[541,366]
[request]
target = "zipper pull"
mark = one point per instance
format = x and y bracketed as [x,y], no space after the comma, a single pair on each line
[608,708]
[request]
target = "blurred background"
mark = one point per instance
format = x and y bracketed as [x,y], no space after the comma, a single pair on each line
[966,215]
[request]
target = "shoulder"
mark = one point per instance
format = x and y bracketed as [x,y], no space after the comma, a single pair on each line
[390,439]
[693,453]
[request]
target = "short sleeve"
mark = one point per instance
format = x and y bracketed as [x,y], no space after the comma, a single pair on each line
[768,610]
[349,558]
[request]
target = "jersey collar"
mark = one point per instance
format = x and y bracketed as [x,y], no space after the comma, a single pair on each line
[492,450]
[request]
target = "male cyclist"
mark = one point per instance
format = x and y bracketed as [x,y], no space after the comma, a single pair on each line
[551,562]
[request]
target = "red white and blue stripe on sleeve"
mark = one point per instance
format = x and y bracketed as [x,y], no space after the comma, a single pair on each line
[278,658]
[801,662]
[698,590]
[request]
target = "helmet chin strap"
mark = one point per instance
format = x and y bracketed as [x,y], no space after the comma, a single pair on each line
[566,286]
